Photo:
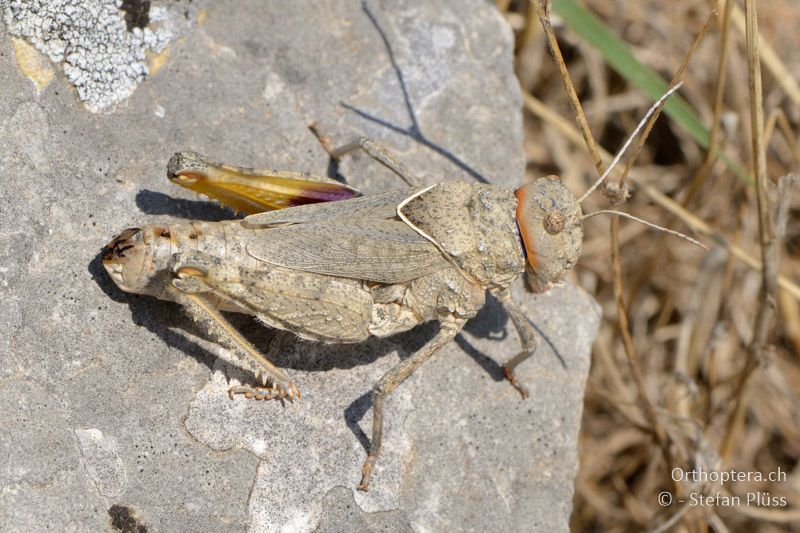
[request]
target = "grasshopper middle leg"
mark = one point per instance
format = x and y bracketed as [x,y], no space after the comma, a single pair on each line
[394,377]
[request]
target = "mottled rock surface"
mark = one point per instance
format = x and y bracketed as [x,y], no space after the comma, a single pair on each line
[113,407]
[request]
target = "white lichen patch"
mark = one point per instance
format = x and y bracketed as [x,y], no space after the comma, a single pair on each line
[102,462]
[89,38]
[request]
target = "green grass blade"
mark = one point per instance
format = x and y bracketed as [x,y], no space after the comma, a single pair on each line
[618,55]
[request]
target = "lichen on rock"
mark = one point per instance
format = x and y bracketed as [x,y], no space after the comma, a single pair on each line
[90,40]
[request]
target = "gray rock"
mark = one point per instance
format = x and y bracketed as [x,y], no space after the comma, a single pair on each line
[103,463]
[113,407]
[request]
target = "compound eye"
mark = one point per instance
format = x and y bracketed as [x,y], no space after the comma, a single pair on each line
[554,222]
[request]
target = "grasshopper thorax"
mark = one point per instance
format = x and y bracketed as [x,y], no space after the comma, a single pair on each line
[549,220]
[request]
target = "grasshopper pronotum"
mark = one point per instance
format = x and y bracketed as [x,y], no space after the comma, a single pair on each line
[341,271]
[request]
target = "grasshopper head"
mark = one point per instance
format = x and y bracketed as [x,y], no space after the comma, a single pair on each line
[132,259]
[549,222]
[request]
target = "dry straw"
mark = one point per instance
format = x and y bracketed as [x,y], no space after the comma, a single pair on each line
[691,368]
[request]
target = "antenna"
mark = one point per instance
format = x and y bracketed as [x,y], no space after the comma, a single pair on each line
[633,135]
[646,223]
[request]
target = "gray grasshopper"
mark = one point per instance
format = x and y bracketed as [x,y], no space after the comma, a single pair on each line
[340,271]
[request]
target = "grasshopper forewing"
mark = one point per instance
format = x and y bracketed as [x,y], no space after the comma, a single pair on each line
[341,271]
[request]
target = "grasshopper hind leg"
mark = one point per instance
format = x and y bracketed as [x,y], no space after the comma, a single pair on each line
[189,290]
[260,393]
[257,393]
[375,150]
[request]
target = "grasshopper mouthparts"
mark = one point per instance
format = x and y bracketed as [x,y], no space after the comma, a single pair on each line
[123,256]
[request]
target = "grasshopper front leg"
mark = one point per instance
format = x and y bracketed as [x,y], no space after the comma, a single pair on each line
[188,289]
[527,337]
[394,377]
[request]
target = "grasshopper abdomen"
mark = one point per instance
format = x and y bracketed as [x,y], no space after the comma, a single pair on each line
[138,258]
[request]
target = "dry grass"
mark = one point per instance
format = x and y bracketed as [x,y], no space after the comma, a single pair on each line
[697,364]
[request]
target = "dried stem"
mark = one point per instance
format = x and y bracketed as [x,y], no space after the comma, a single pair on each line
[771,59]
[769,245]
[764,318]
[502,5]
[646,121]
[538,108]
[712,152]
[544,17]
[778,118]
[716,121]
[658,430]
[619,189]
[694,321]
[627,340]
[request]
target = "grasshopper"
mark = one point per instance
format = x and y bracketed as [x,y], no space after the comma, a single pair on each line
[340,271]
[348,267]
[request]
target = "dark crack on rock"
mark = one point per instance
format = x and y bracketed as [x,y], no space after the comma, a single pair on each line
[137,13]
[124,519]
